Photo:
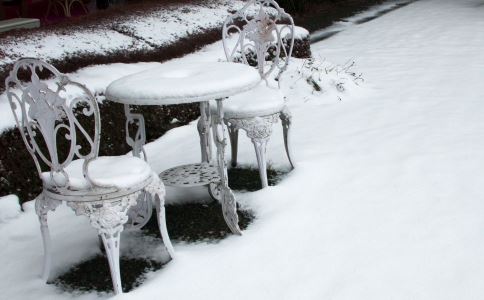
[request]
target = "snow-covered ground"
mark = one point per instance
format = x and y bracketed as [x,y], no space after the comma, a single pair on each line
[160,27]
[386,201]
[365,16]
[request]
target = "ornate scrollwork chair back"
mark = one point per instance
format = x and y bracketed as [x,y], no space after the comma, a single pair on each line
[48,121]
[59,121]
[264,37]
[261,34]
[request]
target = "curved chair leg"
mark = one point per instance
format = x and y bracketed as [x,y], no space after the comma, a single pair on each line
[157,190]
[108,218]
[111,243]
[234,142]
[42,208]
[286,119]
[160,213]
[260,146]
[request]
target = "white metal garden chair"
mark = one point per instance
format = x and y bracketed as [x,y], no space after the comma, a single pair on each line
[113,192]
[264,40]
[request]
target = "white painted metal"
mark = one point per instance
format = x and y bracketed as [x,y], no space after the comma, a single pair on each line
[191,175]
[270,32]
[195,83]
[177,83]
[137,143]
[270,35]
[44,116]
[229,204]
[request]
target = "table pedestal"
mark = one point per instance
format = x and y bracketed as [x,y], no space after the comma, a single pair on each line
[206,173]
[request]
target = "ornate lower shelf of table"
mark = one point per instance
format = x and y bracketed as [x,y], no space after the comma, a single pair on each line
[191,175]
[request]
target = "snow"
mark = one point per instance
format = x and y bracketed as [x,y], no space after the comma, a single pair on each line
[163,26]
[385,202]
[60,46]
[107,171]
[9,208]
[177,83]
[359,18]
[96,78]
[262,100]
[299,32]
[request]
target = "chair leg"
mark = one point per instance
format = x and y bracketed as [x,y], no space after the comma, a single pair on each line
[111,245]
[46,240]
[42,208]
[160,213]
[259,130]
[234,142]
[260,146]
[108,217]
[286,119]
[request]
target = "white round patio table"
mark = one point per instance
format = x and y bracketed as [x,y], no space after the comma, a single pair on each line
[175,83]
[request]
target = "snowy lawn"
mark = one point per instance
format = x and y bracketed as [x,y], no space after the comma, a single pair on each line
[128,33]
[386,201]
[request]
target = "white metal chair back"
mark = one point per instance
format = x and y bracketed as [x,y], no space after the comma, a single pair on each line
[39,108]
[265,30]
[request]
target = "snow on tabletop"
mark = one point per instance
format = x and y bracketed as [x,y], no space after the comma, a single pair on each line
[9,208]
[176,83]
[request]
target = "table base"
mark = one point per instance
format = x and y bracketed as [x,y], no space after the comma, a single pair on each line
[191,175]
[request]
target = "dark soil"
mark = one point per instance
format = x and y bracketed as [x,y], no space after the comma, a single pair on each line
[247,179]
[189,223]
[94,275]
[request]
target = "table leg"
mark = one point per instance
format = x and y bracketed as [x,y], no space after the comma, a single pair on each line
[137,143]
[204,132]
[229,205]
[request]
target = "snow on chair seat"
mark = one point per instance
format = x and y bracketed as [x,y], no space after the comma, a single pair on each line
[260,101]
[109,171]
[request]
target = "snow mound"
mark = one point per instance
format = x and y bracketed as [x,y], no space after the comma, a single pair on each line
[318,80]
[9,208]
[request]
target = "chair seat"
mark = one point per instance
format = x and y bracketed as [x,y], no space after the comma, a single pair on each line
[260,101]
[117,171]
